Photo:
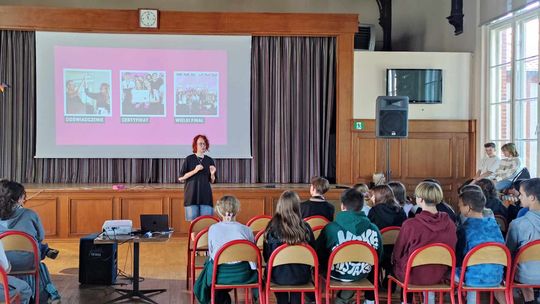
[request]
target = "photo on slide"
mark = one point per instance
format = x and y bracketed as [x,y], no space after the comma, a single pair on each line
[196,94]
[87,92]
[143,93]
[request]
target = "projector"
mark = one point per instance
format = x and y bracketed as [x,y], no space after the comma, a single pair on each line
[116,227]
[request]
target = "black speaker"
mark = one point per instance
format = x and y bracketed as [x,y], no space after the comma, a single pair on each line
[97,262]
[392,116]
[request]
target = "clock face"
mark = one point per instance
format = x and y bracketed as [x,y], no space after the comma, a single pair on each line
[148,18]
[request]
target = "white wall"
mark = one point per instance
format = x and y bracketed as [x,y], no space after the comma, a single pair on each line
[370,82]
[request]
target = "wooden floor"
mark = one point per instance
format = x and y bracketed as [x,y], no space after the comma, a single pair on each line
[162,265]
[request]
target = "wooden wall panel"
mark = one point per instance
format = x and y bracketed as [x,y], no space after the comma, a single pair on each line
[429,157]
[133,207]
[81,223]
[47,209]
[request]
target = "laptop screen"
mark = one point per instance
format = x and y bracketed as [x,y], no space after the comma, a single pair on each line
[154,222]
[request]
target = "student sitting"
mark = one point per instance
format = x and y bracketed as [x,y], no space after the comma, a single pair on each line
[492,201]
[218,235]
[400,193]
[317,204]
[288,227]
[486,212]
[13,216]
[488,164]
[441,207]
[350,224]
[522,231]
[508,167]
[364,189]
[386,211]
[476,230]
[428,227]
[15,285]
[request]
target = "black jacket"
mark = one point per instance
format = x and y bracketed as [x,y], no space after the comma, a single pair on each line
[384,215]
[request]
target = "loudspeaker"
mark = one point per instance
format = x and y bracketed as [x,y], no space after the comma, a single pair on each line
[392,116]
[97,262]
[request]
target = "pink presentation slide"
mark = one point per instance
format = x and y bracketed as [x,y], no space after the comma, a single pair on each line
[123,96]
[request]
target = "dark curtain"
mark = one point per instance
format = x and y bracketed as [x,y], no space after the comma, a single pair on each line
[292,105]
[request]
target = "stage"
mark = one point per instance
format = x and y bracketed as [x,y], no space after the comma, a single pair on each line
[74,210]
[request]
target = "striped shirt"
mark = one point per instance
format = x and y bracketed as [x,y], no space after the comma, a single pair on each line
[508,168]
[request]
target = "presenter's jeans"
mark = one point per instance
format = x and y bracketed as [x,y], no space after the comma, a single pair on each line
[503,185]
[194,211]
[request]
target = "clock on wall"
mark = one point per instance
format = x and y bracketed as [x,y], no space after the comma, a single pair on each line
[148,18]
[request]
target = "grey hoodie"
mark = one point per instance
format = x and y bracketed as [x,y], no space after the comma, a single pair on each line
[522,231]
[25,220]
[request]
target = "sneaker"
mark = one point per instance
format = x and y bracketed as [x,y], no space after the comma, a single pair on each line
[52,253]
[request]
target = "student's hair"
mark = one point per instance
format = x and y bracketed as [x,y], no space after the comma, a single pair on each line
[320,184]
[352,199]
[228,206]
[532,187]
[488,187]
[511,148]
[400,193]
[361,187]
[430,192]
[470,187]
[432,180]
[489,145]
[287,222]
[474,198]
[383,194]
[194,143]
[10,193]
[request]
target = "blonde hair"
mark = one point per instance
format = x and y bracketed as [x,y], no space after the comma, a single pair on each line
[430,192]
[511,148]
[287,224]
[228,206]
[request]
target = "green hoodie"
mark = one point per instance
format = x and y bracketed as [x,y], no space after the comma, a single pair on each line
[347,226]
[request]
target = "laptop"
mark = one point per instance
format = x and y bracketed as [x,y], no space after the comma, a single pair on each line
[154,223]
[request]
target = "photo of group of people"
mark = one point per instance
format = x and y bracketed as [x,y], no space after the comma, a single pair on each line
[196,94]
[142,93]
[87,92]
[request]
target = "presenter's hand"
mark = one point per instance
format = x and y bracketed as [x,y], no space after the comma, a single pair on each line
[181,179]
[199,168]
[212,170]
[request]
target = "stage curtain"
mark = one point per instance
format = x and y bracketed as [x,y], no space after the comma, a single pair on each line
[293,118]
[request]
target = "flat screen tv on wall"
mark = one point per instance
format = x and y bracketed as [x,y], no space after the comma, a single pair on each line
[421,85]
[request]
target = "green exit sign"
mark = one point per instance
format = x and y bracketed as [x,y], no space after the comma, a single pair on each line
[358,125]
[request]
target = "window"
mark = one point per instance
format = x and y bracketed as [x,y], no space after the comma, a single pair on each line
[513,84]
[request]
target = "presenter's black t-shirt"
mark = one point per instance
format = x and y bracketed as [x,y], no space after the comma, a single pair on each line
[197,190]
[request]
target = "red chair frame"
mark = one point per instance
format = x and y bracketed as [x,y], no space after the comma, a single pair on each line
[256,218]
[512,281]
[461,285]
[189,249]
[193,267]
[405,284]
[375,270]
[269,267]
[8,299]
[317,229]
[316,217]
[37,257]
[247,287]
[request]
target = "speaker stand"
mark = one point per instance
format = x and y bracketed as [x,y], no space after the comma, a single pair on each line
[388,170]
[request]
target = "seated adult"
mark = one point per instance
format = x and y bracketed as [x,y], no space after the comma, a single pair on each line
[13,216]
[218,235]
[350,224]
[492,200]
[287,227]
[522,231]
[317,204]
[489,164]
[15,285]
[508,168]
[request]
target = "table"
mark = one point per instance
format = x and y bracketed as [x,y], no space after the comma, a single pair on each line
[135,291]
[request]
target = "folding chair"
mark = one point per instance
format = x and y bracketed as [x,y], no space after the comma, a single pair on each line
[293,254]
[389,236]
[487,253]
[8,299]
[238,251]
[197,262]
[436,253]
[528,253]
[258,223]
[195,227]
[316,220]
[21,241]
[352,252]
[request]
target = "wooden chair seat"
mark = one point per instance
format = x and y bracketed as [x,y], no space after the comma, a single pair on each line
[303,287]
[364,283]
[225,286]
[434,287]
[500,287]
